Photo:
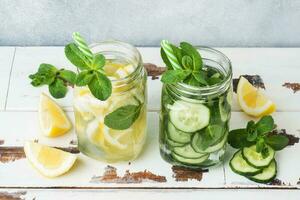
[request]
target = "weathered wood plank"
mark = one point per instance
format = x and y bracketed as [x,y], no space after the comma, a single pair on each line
[134,194]
[86,168]
[6,59]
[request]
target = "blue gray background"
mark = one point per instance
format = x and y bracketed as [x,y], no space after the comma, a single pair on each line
[231,23]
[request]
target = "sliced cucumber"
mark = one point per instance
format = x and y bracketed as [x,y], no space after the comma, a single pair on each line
[240,166]
[187,152]
[173,143]
[178,135]
[256,159]
[267,175]
[199,140]
[189,117]
[190,161]
[224,109]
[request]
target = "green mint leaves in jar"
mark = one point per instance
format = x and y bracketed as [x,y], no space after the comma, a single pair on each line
[90,72]
[184,64]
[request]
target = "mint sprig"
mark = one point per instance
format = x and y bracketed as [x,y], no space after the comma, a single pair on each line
[56,79]
[258,134]
[191,69]
[89,65]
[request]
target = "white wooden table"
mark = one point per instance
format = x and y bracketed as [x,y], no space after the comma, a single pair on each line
[18,122]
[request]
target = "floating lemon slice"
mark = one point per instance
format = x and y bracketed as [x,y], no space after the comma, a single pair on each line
[95,132]
[50,162]
[53,120]
[253,101]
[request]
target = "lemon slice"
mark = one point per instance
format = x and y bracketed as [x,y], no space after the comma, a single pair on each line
[95,132]
[50,162]
[53,120]
[252,100]
[117,139]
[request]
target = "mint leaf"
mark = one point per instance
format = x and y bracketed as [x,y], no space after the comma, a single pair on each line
[177,53]
[100,86]
[187,62]
[84,77]
[213,80]
[98,61]
[58,89]
[174,76]
[265,151]
[277,142]
[200,77]
[191,80]
[213,133]
[45,68]
[76,57]
[265,125]
[45,75]
[67,75]
[192,52]
[251,131]
[238,139]
[123,117]
[165,59]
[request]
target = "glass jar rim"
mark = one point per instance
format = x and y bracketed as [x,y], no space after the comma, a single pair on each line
[209,89]
[128,46]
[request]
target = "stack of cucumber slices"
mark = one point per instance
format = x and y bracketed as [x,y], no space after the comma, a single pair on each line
[251,164]
[190,136]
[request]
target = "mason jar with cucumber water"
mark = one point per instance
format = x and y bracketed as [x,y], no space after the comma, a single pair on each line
[195,105]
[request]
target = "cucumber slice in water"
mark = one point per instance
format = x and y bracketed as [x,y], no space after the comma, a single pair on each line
[190,161]
[187,152]
[240,166]
[178,135]
[172,143]
[224,109]
[267,175]
[256,159]
[189,117]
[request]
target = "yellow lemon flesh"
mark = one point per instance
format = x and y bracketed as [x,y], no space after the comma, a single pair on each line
[252,100]
[53,120]
[50,162]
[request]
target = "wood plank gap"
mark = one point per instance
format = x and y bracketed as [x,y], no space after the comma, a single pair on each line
[10,73]
[152,188]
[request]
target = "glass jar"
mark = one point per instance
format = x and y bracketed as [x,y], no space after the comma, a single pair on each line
[194,121]
[124,67]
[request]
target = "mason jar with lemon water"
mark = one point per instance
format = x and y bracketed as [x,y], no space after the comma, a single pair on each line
[125,70]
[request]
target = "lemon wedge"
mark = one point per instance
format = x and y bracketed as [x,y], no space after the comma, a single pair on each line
[252,100]
[53,120]
[50,162]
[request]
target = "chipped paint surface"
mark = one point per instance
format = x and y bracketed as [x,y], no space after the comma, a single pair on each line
[110,175]
[12,195]
[153,70]
[279,182]
[294,86]
[255,80]
[185,174]
[10,154]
